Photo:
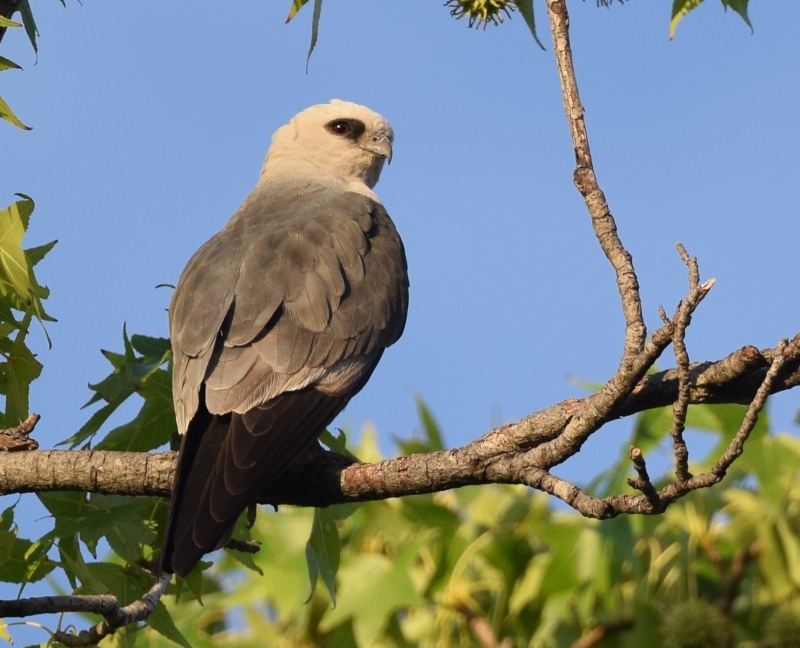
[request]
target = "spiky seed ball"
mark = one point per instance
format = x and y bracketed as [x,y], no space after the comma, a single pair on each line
[695,624]
[481,12]
[782,629]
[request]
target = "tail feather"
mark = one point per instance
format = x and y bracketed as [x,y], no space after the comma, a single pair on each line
[226,461]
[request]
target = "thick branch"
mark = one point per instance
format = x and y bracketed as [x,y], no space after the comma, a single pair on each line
[501,456]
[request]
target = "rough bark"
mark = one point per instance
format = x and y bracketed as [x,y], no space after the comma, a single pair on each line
[508,454]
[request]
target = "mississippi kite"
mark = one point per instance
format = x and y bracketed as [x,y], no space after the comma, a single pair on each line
[280,319]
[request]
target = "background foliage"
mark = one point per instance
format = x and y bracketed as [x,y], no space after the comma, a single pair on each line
[452,568]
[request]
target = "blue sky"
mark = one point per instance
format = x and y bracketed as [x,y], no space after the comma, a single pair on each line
[151,120]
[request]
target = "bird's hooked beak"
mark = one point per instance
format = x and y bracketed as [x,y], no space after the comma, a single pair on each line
[379,145]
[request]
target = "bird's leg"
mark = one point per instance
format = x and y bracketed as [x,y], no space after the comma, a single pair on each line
[252,509]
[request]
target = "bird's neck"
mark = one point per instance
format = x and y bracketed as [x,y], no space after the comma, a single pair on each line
[278,169]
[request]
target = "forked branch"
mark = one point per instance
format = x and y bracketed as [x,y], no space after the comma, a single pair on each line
[114,615]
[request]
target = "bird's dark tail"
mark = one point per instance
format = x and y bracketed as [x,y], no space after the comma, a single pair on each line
[225,462]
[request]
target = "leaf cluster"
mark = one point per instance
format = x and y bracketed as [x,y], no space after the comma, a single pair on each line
[21,298]
[680,8]
[24,8]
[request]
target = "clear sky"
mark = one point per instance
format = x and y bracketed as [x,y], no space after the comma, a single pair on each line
[151,119]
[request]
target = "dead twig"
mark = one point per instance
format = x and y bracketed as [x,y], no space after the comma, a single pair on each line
[681,406]
[643,483]
[594,636]
[17,439]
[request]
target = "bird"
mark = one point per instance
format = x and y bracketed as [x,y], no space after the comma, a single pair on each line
[279,320]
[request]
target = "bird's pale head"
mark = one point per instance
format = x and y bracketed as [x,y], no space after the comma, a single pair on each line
[344,139]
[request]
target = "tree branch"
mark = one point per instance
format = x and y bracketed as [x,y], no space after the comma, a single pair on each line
[605,228]
[114,615]
[503,455]
[681,405]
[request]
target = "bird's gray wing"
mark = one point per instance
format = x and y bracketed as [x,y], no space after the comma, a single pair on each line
[276,323]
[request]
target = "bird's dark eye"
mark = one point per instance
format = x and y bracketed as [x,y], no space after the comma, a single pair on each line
[340,127]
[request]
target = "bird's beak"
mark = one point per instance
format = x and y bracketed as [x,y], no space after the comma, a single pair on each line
[379,145]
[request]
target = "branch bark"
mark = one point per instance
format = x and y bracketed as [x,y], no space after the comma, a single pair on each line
[504,455]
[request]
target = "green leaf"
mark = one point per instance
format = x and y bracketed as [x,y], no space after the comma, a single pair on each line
[132,374]
[154,425]
[120,520]
[18,283]
[22,369]
[7,518]
[151,347]
[282,557]
[7,22]
[336,443]
[7,539]
[431,440]
[323,551]
[373,588]
[161,621]
[314,30]
[774,464]
[740,7]
[679,9]
[7,64]
[296,6]
[194,581]
[26,562]
[90,428]
[526,9]
[36,254]
[127,377]
[30,25]
[14,265]
[682,7]
[125,637]
[128,583]
[24,209]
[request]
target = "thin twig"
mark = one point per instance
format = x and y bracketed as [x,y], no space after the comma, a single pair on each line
[681,406]
[736,446]
[17,438]
[733,579]
[114,615]
[603,222]
[481,628]
[643,482]
[245,546]
[597,634]
[136,611]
